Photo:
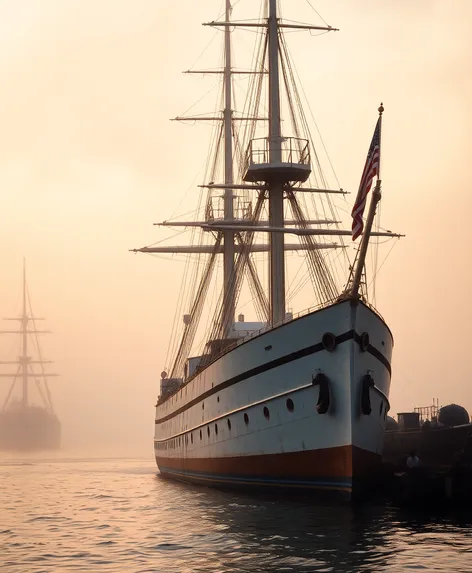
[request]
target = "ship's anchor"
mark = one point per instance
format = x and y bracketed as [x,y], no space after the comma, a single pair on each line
[367,383]
[324,397]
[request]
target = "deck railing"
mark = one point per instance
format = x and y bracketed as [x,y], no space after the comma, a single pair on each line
[293,150]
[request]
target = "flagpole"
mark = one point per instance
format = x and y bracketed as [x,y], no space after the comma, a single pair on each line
[376,196]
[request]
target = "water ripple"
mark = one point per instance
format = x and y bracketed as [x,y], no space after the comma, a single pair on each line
[118,516]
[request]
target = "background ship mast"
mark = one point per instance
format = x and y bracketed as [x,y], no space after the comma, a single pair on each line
[24,362]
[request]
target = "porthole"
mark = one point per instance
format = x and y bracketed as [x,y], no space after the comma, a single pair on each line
[208,431]
[216,429]
[191,438]
[203,405]
[290,405]
[266,413]
[328,341]
[217,398]
[229,424]
[246,419]
[201,437]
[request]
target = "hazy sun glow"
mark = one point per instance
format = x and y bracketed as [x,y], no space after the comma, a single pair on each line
[89,160]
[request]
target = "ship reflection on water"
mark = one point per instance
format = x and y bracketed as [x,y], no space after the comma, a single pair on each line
[262,533]
[114,514]
[302,536]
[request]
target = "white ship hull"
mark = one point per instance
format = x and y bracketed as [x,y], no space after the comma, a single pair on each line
[251,417]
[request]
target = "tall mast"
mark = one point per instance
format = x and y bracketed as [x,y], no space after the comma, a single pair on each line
[228,247]
[276,202]
[24,345]
[24,362]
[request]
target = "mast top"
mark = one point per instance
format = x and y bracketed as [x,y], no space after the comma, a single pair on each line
[381,109]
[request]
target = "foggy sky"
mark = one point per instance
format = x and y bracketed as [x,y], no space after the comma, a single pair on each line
[89,160]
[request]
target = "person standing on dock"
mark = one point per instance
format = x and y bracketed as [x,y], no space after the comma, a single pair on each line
[413,460]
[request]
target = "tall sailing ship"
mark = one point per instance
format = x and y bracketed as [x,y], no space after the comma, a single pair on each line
[296,400]
[25,425]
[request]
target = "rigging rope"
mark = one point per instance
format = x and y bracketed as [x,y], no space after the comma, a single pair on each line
[261,300]
[222,318]
[48,401]
[322,279]
[195,313]
[5,403]
[291,84]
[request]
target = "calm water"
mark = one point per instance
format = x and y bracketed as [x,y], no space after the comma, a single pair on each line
[118,515]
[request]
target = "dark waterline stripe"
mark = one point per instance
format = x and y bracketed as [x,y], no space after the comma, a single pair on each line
[351,334]
[324,483]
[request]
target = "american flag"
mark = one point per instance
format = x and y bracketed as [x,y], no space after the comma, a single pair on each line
[371,169]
